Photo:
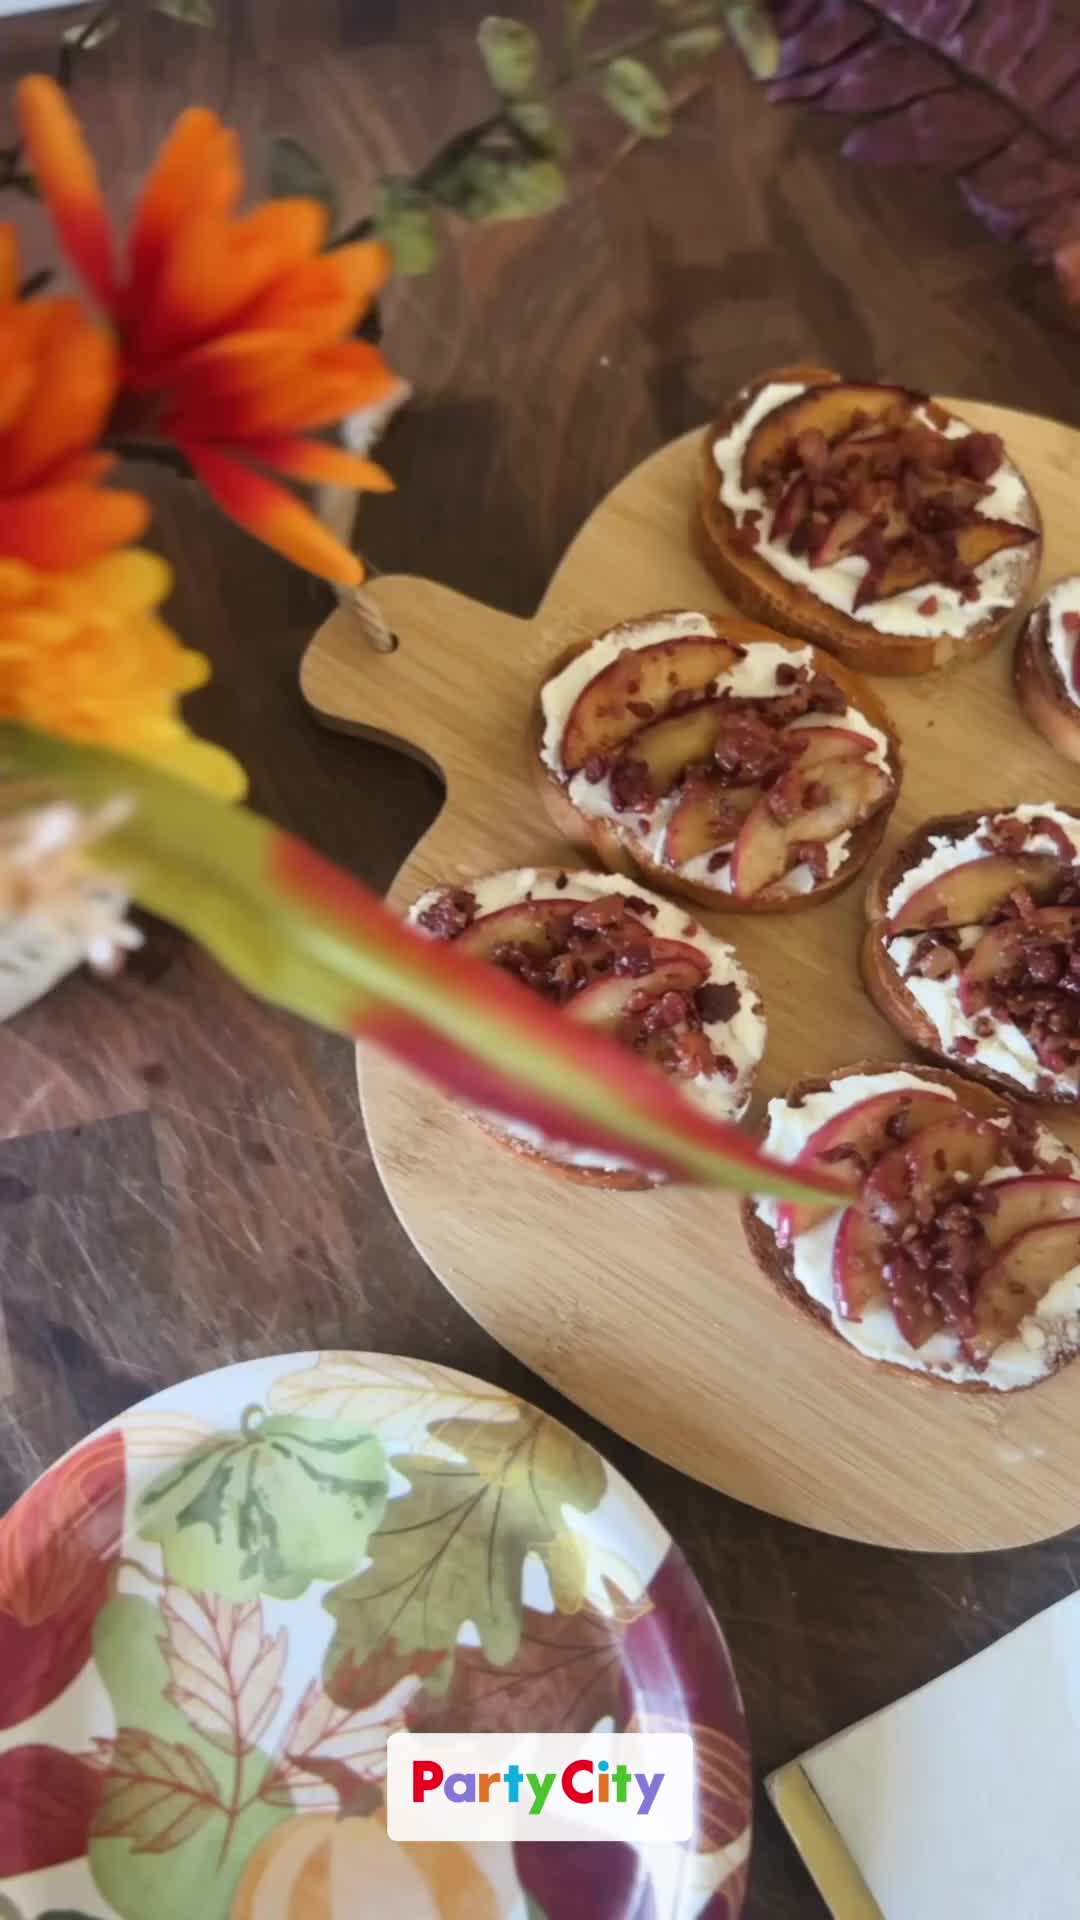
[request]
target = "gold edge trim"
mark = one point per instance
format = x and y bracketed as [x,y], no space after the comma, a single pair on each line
[820,1846]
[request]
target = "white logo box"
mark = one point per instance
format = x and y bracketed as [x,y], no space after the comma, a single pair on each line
[635,1787]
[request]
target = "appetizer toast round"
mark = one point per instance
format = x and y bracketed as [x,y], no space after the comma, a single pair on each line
[958,1260]
[723,762]
[865,518]
[617,958]
[1046,667]
[973,946]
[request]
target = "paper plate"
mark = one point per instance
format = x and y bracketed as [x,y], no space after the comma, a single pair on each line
[215,1610]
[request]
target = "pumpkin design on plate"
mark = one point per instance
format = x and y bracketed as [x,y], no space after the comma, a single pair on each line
[318,1868]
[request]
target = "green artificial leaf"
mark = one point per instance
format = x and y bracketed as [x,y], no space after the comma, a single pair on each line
[751,26]
[511,54]
[269,1509]
[542,127]
[578,14]
[163,1768]
[453,1548]
[637,97]
[405,220]
[694,43]
[294,170]
[499,185]
[194,13]
[310,937]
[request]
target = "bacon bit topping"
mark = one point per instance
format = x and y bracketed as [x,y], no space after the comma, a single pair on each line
[930,605]
[717,1000]
[450,914]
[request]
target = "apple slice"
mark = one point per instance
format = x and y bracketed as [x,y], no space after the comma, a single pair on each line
[708,815]
[867,1270]
[917,563]
[907,1287]
[852,1140]
[795,503]
[906,1180]
[826,743]
[966,895]
[858,1254]
[678,969]
[839,538]
[1025,1269]
[667,747]
[1032,1200]
[528,923]
[843,793]
[638,686]
[1001,947]
[830,410]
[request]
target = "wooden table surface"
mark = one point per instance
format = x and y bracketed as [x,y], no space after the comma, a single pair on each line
[184,1178]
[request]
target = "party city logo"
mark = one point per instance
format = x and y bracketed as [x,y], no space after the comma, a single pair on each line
[540,1786]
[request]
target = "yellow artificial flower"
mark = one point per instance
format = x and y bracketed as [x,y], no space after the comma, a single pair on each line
[83,654]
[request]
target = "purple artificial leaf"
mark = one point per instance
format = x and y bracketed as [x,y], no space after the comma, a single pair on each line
[946,131]
[986,90]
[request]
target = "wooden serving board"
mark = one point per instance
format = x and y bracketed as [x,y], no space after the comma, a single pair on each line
[645,1308]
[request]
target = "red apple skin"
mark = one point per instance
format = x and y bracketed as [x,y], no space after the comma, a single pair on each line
[601,717]
[865,1128]
[527,922]
[827,743]
[1000,947]
[966,895]
[1031,1200]
[938,1153]
[857,1278]
[1025,1269]
[760,854]
[677,969]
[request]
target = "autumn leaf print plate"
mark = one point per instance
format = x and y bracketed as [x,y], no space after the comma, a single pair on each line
[215,1611]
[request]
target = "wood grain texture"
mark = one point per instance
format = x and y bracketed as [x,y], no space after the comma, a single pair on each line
[144,1231]
[607,1287]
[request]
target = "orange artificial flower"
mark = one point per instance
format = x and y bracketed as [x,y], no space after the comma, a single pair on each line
[58,382]
[83,653]
[233,331]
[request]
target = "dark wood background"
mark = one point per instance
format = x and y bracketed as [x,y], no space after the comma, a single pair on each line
[184,1178]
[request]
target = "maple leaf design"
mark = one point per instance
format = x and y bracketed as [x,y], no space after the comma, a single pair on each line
[453,1548]
[567,1675]
[329,1749]
[224,1671]
[157,1793]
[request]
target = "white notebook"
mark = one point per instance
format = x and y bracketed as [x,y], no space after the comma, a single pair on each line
[960,1802]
